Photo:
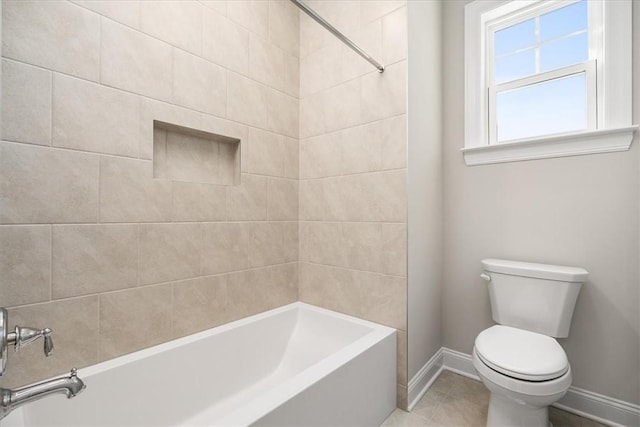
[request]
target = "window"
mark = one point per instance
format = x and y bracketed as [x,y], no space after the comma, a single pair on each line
[540,74]
[546,79]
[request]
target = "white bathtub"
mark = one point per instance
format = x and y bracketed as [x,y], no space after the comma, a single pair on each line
[297,365]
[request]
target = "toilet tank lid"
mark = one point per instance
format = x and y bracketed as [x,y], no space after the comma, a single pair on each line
[538,271]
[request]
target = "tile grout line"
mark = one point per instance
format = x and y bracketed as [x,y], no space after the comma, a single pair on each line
[98,195]
[100,47]
[52,109]
[173,77]
[147,285]
[107,224]
[201,249]
[171,310]
[171,44]
[143,96]
[164,101]
[99,332]
[202,11]
[51,262]
[348,80]
[354,269]
[139,260]
[121,157]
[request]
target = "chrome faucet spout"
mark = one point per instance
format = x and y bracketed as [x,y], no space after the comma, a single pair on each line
[11,399]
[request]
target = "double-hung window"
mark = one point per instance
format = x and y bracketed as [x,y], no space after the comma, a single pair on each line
[546,79]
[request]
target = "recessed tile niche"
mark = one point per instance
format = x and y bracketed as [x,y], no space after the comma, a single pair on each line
[190,155]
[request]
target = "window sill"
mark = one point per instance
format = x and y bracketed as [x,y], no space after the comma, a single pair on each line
[600,141]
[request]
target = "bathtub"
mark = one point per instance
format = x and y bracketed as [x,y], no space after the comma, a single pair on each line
[296,365]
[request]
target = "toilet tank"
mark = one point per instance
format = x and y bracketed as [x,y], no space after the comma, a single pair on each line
[536,297]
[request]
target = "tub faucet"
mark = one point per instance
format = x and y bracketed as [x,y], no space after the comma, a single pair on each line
[11,399]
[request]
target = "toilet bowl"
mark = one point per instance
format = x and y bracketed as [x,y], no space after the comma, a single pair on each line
[519,359]
[525,373]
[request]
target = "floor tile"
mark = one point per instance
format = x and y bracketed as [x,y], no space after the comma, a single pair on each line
[561,418]
[457,401]
[400,418]
[429,403]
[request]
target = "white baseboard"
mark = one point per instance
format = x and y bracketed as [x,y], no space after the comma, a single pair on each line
[460,363]
[585,403]
[601,408]
[420,383]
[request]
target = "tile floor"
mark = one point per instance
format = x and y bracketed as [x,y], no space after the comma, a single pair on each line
[457,401]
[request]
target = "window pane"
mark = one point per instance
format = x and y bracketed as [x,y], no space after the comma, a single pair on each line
[554,106]
[515,37]
[515,66]
[563,21]
[564,52]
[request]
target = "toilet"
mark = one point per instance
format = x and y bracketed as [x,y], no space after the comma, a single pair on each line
[519,359]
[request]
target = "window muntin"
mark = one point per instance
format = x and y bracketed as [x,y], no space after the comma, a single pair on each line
[515,37]
[547,41]
[527,50]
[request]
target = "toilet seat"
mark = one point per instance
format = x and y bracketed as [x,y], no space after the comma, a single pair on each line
[513,385]
[521,354]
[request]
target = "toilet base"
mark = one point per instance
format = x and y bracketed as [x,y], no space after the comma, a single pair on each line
[515,402]
[506,412]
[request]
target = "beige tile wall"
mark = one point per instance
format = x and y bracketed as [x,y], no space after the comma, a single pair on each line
[353,149]
[91,244]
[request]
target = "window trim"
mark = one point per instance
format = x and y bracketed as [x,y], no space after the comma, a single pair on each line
[614,130]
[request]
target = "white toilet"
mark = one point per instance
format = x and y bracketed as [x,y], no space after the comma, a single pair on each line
[518,360]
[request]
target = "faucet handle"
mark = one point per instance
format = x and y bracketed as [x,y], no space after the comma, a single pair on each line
[23,336]
[19,337]
[48,342]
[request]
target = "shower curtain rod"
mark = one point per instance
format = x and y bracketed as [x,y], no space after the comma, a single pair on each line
[306,9]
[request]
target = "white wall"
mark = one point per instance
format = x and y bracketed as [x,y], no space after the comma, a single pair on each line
[636,109]
[580,211]
[424,183]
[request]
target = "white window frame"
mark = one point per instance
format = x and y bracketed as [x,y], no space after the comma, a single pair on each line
[609,70]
